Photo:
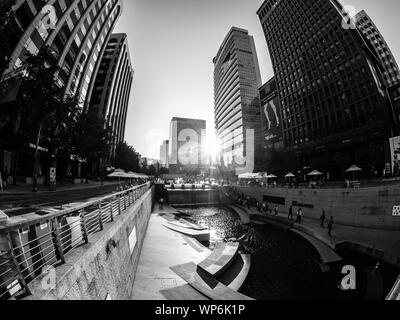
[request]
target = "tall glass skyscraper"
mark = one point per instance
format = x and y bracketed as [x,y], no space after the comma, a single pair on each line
[334,107]
[109,93]
[76,30]
[236,97]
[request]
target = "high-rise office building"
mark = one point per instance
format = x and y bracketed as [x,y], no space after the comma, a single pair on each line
[76,30]
[375,38]
[334,109]
[237,106]
[164,154]
[110,91]
[186,146]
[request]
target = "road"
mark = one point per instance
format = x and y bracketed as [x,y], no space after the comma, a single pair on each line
[16,205]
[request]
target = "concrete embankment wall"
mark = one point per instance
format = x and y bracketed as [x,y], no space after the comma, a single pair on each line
[366,207]
[186,197]
[106,267]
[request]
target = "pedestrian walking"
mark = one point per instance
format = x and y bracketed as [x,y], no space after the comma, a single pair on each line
[323,218]
[6,175]
[299,216]
[276,210]
[248,202]
[161,203]
[290,215]
[1,182]
[330,226]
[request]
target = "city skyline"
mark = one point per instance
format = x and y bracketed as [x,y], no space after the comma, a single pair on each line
[192,38]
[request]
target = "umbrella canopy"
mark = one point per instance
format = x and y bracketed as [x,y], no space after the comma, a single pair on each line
[116,174]
[354,169]
[315,173]
[290,175]
[271,176]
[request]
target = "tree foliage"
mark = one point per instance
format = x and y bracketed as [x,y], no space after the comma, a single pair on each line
[6,14]
[127,158]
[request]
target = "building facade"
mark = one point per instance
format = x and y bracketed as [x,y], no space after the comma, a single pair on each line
[236,97]
[186,146]
[109,95]
[164,154]
[334,107]
[76,30]
[374,37]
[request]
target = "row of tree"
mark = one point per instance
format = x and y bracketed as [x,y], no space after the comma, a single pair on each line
[43,115]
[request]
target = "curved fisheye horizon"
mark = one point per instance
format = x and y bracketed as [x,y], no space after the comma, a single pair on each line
[199,154]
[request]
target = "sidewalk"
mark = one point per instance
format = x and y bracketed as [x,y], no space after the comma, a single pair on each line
[27,189]
[384,244]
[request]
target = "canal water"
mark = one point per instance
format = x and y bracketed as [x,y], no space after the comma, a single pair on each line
[284,266]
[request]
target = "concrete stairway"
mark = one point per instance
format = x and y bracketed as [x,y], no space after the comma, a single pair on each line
[208,286]
[220,259]
[218,277]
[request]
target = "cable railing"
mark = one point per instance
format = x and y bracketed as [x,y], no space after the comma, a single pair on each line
[28,248]
[395,292]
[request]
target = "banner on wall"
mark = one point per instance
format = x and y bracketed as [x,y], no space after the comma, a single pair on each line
[395,155]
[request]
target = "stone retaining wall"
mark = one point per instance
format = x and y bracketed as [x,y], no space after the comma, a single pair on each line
[366,207]
[106,267]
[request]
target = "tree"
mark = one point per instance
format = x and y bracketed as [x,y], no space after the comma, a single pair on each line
[6,14]
[91,139]
[42,100]
[127,158]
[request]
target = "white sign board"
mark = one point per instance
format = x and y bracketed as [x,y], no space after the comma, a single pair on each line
[132,240]
[396,211]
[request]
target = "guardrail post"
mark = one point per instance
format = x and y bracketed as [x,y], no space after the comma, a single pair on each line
[57,240]
[14,258]
[100,216]
[119,203]
[84,229]
[111,210]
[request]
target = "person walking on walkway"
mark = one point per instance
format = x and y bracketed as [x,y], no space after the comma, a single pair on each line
[323,218]
[161,203]
[276,210]
[6,175]
[1,181]
[299,216]
[290,216]
[330,226]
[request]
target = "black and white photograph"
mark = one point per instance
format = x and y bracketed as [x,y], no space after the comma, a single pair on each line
[199,158]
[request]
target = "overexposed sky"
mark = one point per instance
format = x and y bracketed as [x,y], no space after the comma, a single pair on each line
[172,44]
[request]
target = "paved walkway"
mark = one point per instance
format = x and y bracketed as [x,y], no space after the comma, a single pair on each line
[162,249]
[27,189]
[386,241]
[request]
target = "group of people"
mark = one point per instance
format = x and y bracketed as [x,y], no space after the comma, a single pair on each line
[4,175]
[299,214]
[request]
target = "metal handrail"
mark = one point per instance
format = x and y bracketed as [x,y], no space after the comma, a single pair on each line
[43,241]
[395,292]
[19,225]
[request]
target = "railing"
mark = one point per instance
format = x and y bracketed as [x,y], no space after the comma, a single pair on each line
[28,248]
[395,292]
